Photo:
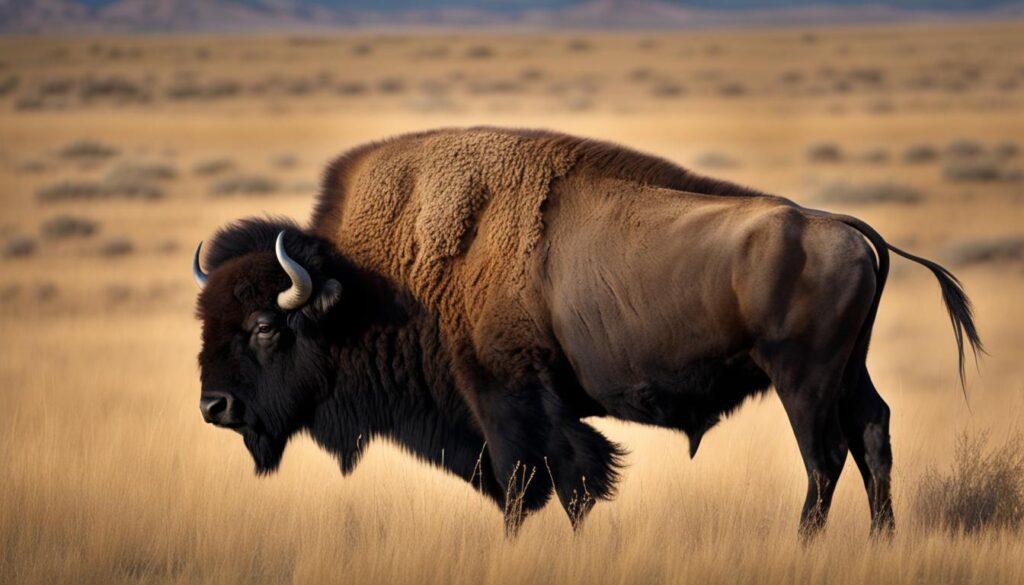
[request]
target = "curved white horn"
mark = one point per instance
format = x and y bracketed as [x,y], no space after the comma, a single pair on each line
[197,271]
[302,285]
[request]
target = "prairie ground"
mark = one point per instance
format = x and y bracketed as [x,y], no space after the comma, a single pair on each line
[118,154]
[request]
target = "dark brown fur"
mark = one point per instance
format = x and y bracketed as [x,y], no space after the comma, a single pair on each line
[501,285]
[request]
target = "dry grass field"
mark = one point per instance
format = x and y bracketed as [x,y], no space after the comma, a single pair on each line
[118,154]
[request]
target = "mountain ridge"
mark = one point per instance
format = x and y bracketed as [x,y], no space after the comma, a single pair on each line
[142,16]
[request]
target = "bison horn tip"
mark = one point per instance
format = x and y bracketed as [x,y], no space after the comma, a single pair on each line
[197,271]
[302,285]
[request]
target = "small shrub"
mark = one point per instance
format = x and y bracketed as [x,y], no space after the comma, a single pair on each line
[299,87]
[1005,150]
[183,90]
[117,247]
[824,152]
[29,102]
[964,148]
[244,185]
[792,77]
[69,191]
[438,52]
[45,292]
[973,170]
[1013,175]
[983,488]
[993,250]
[133,190]
[8,85]
[732,89]
[867,75]
[640,74]
[667,89]
[116,88]
[922,82]
[9,293]
[89,190]
[868,193]
[1007,84]
[66,226]
[222,88]
[189,89]
[920,153]
[132,172]
[579,45]
[351,88]
[118,293]
[59,86]
[531,74]
[716,160]
[87,150]
[480,52]
[500,86]
[31,166]
[434,87]
[876,156]
[391,85]
[19,247]
[881,106]
[213,166]
[284,160]
[841,86]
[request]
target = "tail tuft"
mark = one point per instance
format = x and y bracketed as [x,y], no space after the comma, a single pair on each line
[961,314]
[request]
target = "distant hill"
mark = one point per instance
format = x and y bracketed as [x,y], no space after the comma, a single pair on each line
[82,16]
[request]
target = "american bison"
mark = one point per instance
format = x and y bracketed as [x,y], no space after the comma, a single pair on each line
[474,294]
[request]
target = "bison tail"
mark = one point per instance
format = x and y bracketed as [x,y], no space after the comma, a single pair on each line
[961,314]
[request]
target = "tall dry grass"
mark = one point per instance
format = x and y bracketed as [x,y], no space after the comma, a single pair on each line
[111,477]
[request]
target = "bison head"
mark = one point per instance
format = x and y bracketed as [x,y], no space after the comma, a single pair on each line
[265,361]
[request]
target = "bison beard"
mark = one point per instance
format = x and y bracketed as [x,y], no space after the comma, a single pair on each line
[473,295]
[266,451]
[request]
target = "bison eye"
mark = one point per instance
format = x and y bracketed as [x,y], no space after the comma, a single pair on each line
[264,329]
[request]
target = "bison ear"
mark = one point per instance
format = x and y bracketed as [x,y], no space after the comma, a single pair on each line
[324,301]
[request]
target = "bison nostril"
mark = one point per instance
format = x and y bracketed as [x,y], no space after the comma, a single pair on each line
[214,407]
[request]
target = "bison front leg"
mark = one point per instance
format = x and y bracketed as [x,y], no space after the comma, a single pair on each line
[516,430]
[537,444]
[584,464]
